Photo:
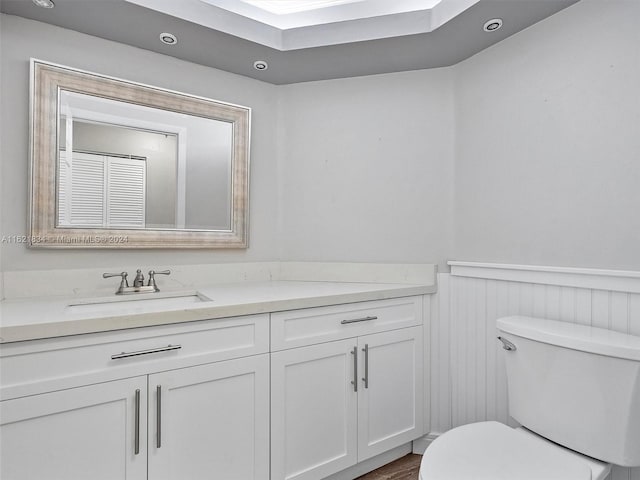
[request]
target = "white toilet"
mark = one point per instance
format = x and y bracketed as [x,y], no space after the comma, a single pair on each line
[575,388]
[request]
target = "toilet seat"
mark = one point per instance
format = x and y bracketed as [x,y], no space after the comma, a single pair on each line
[493,451]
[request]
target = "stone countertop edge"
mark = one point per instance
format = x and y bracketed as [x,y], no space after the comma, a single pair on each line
[80,326]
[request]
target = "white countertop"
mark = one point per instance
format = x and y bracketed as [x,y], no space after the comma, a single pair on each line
[47,317]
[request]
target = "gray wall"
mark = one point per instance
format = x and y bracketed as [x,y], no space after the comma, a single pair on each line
[527,153]
[368,168]
[22,39]
[548,142]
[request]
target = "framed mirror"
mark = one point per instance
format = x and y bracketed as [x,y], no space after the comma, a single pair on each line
[117,164]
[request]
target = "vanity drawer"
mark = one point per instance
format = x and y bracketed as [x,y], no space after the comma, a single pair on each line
[31,367]
[309,326]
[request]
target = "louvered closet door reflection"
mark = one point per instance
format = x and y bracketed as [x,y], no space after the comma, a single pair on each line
[126,187]
[81,190]
[98,191]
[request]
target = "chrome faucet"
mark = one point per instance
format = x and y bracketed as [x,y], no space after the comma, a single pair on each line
[138,282]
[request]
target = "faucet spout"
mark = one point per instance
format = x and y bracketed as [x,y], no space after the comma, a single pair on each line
[139,280]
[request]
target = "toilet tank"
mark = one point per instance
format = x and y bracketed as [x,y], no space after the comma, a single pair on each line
[576,385]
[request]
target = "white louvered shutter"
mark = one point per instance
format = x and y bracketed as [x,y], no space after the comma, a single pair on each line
[126,192]
[64,202]
[99,191]
[81,191]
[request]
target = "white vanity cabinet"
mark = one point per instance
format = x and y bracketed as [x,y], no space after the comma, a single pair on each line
[296,395]
[390,402]
[210,421]
[314,411]
[80,433]
[167,402]
[346,385]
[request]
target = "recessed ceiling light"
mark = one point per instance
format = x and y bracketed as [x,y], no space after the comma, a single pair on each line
[260,65]
[168,38]
[492,25]
[44,3]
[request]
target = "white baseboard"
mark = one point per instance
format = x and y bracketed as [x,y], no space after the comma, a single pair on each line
[371,464]
[418,446]
[421,444]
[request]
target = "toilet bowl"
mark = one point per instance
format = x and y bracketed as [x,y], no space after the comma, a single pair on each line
[493,451]
[576,391]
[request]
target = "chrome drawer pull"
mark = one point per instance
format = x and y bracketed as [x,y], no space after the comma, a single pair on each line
[136,435]
[159,416]
[145,352]
[356,320]
[365,379]
[354,352]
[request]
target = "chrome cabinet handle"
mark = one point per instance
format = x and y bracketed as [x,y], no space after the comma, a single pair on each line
[365,379]
[354,382]
[356,320]
[145,352]
[507,345]
[136,441]
[159,416]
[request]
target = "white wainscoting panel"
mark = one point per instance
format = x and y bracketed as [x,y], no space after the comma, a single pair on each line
[468,381]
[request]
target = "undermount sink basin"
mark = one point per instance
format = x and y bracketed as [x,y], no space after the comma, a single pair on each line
[137,303]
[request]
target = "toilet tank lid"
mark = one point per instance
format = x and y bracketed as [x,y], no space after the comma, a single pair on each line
[570,335]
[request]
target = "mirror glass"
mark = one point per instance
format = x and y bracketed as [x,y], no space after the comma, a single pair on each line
[144,166]
[138,167]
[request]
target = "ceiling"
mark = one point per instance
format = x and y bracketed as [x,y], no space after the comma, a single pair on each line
[296,24]
[439,33]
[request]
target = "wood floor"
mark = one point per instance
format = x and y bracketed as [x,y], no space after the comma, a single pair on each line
[405,468]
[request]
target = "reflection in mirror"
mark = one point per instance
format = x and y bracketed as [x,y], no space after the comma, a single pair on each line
[118,164]
[137,167]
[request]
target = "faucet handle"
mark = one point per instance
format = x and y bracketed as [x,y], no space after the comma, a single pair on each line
[124,275]
[123,283]
[152,278]
[162,272]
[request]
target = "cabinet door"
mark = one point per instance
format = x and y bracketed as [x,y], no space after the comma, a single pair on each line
[313,411]
[210,421]
[76,434]
[390,400]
